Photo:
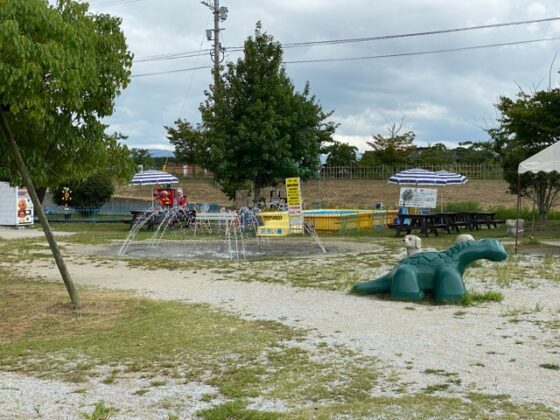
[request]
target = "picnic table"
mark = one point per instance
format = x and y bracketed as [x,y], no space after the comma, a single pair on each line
[426,223]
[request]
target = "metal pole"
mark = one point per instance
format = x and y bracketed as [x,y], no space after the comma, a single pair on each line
[517,215]
[216,43]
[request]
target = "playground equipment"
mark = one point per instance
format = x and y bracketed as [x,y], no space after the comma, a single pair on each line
[440,273]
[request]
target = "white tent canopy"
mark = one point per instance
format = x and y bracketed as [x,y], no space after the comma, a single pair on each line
[547,160]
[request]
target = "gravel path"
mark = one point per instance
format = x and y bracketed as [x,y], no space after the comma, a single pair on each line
[487,351]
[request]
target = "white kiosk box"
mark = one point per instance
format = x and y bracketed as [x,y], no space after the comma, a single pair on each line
[16,208]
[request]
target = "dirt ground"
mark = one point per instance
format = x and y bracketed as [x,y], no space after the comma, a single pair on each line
[344,193]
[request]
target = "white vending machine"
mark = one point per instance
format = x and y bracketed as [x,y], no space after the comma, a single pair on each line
[16,208]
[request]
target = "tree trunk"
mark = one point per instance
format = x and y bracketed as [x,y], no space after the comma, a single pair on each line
[256,193]
[22,168]
[41,191]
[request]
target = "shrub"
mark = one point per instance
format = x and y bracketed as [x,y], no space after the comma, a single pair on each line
[87,196]
[463,206]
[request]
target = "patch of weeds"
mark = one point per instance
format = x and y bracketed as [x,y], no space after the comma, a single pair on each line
[100,412]
[551,366]
[158,383]
[460,314]
[111,378]
[426,405]
[475,298]
[208,397]
[440,372]
[140,392]
[236,410]
[435,388]
[522,310]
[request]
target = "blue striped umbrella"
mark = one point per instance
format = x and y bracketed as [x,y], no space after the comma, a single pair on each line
[153,178]
[419,176]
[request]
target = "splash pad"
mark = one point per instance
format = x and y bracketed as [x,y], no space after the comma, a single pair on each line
[219,235]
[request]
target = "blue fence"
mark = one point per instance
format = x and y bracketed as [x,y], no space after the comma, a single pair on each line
[117,210]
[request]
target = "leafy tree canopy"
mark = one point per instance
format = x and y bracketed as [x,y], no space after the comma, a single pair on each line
[256,127]
[395,148]
[527,125]
[190,143]
[476,152]
[61,69]
[435,155]
[142,157]
[340,154]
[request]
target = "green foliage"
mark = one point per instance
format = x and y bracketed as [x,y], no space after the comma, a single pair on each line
[340,154]
[61,69]
[437,154]
[503,212]
[257,127]
[394,149]
[476,152]
[189,142]
[142,157]
[529,124]
[91,193]
[463,206]
[474,298]
[100,412]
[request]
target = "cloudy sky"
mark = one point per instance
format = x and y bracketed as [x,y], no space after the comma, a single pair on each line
[443,97]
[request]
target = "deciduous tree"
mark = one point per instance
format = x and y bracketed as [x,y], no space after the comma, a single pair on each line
[528,124]
[340,154]
[61,69]
[395,148]
[257,127]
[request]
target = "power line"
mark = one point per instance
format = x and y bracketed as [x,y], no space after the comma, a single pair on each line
[325,60]
[171,71]
[173,56]
[447,50]
[189,54]
[112,3]
[414,34]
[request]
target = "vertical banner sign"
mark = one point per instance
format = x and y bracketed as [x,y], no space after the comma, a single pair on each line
[295,211]
[24,207]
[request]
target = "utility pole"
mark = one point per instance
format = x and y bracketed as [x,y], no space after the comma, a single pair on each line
[220,14]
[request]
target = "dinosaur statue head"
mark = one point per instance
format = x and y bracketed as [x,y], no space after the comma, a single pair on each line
[493,249]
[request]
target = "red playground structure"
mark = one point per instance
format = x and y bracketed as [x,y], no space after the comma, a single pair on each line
[166,197]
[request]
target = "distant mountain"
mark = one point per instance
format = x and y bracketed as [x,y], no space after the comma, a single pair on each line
[158,153]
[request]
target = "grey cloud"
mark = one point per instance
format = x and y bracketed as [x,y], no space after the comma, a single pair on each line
[441,96]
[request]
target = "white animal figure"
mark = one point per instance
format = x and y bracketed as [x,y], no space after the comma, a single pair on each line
[413,244]
[515,224]
[464,237]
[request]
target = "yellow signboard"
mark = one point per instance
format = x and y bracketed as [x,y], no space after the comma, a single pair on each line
[293,191]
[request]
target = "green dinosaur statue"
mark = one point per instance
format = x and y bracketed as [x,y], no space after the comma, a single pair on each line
[440,273]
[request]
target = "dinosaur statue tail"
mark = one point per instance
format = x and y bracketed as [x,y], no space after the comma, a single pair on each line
[380,285]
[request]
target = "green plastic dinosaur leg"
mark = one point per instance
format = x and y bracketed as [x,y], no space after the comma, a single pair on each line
[405,285]
[449,286]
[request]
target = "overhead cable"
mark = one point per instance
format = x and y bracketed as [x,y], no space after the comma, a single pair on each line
[446,50]
[189,54]
[371,57]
